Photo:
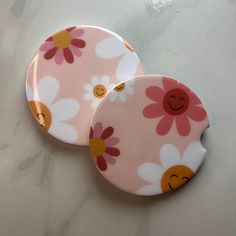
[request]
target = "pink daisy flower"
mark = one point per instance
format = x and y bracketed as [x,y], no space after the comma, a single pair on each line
[102,145]
[173,102]
[64,45]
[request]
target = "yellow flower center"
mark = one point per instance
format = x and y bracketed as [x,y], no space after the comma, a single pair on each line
[99,91]
[175,177]
[41,113]
[120,87]
[128,46]
[97,146]
[62,39]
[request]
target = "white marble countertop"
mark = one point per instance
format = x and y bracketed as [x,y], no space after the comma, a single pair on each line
[48,188]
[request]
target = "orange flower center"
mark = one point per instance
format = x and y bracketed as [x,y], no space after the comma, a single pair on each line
[175,177]
[99,91]
[120,87]
[97,146]
[62,39]
[41,113]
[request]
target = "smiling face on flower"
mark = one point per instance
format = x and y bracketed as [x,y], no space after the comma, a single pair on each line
[174,103]
[41,113]
[50,113]
[97,89]
[173,172]
[122,91]
[175,177]
[120,87]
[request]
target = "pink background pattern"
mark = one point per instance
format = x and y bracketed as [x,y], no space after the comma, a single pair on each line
[73,76]
[138,140]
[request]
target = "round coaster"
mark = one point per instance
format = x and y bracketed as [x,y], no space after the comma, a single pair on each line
[71,73]
[149,143]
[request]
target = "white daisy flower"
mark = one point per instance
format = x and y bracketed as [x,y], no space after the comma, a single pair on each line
[121,91]
[51,115]
[97,89]
[111,47]
[174,170]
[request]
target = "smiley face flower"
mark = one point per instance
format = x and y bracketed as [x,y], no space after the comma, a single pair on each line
[175,102]
[51,114]
[174,170]
[97,89]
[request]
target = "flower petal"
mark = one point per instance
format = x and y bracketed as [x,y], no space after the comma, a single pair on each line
[183,125]
[164,125]
[184,87]
[112,141]
[107,132]
[46,46]
[150,172]
[110,48]
[105,79]
[88,87]
[149,190]
[79,43]
[50,53]
[48,88]
[193,155]
[68,55]
[76,33]
[129,91]
[155,93]
[169,83]
[109,159]
[95,103]
[169,156]
[153,111]
[91,133]
[101,163]
[130,83]
[70,28]
[113,96]
[65,109]
[49,39]
[122,96]
[194,99]
[59,57]
[113,151]
[76,51]
[64,132]
[197,113]
[98,128]
[95,80]
[127,66]
[88,96]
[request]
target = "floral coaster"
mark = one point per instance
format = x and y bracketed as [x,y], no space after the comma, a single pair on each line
[149,142]
[71,73]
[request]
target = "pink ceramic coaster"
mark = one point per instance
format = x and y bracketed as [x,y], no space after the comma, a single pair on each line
[150,142]
[71,73]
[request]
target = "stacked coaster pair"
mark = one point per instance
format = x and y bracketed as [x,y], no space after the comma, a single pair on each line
[85,86]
